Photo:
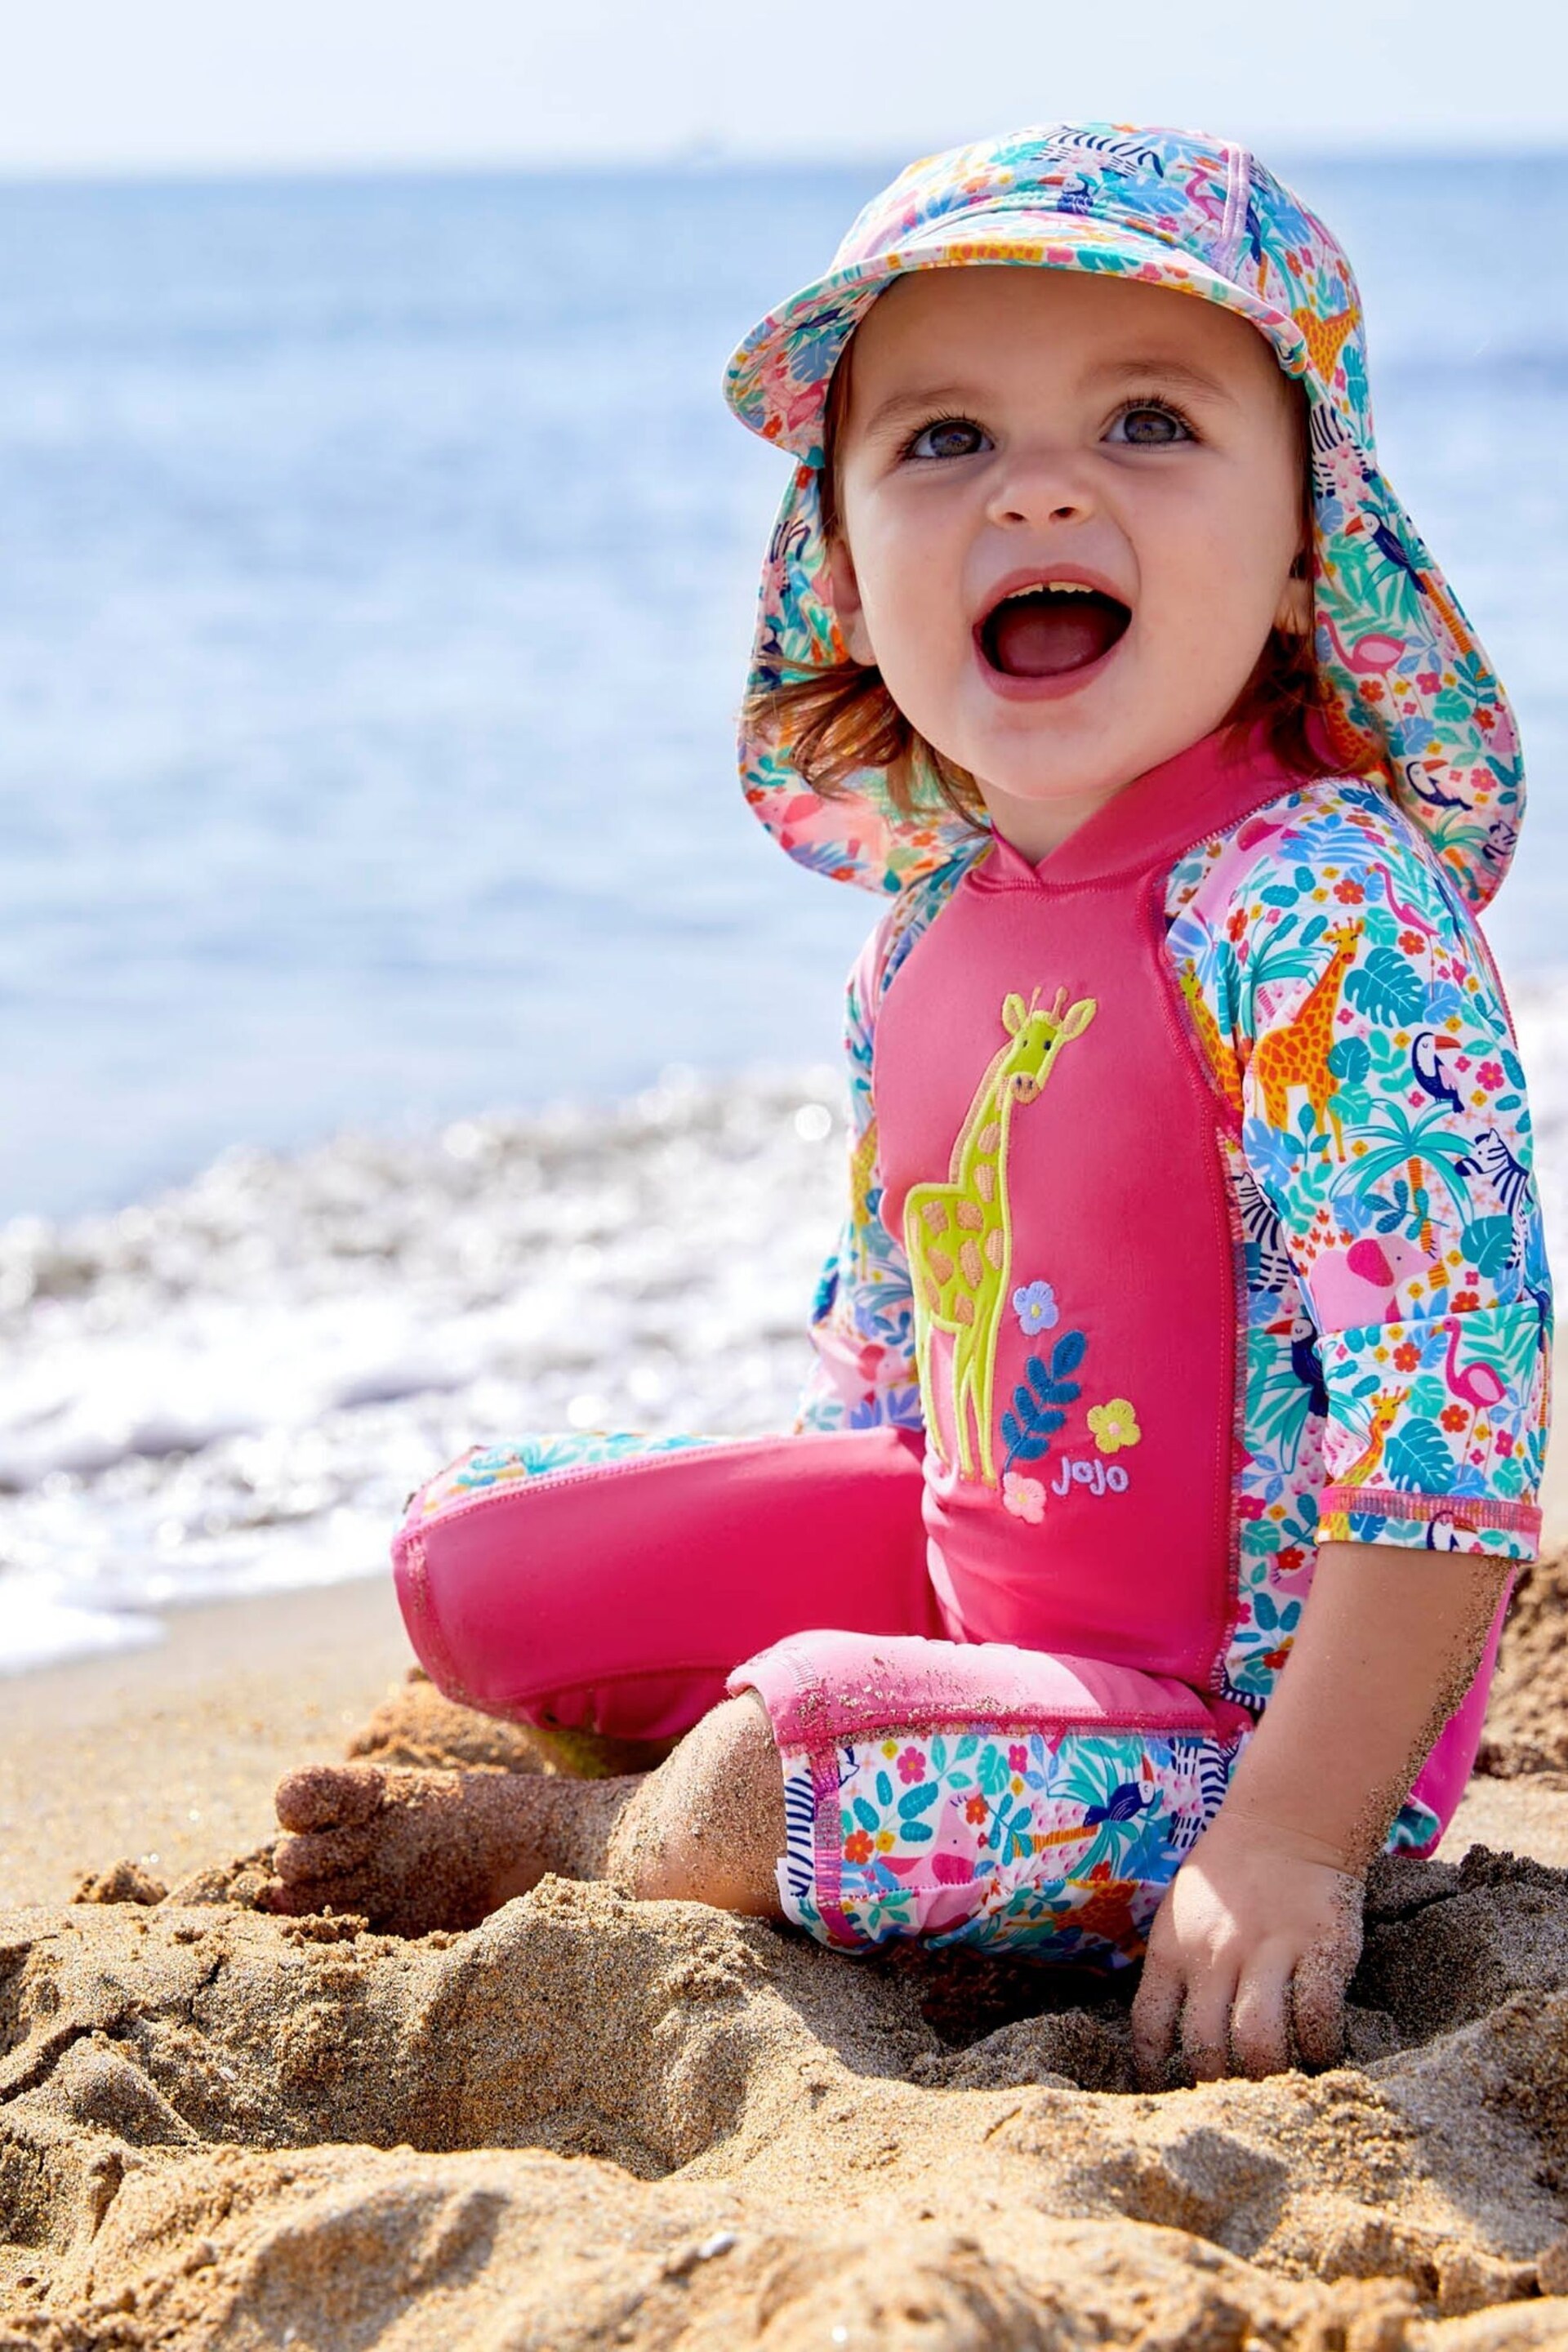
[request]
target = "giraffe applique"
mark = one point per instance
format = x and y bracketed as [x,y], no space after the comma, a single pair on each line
[1384,1414]
[959,1235]
[1297,1055]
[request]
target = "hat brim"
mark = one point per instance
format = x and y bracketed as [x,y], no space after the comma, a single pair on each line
[1411,693]
[777,379]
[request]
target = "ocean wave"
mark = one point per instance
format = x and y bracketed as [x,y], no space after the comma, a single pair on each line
[233,1387]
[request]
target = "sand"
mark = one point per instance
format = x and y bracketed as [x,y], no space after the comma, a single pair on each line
[590,2122]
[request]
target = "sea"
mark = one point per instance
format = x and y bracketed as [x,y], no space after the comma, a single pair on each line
[406,1033]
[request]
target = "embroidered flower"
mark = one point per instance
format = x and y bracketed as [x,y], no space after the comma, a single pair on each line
[911,1765]
[1036,1308]
[1024,1497]
[1114,1424]
[858,1847]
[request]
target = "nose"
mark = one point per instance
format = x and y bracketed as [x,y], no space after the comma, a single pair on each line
[1041,487]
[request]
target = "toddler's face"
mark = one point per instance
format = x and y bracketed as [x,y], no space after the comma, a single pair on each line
[1134,451]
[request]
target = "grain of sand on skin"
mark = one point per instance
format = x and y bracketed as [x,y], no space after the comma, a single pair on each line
[589,2122]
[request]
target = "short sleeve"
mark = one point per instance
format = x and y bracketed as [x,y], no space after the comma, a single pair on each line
[862,1323]
[1384,1117]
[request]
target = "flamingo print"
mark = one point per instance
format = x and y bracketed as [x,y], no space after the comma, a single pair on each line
[1477,1384]
[1405,913]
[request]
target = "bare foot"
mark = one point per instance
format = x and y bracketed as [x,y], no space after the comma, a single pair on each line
[415,1850]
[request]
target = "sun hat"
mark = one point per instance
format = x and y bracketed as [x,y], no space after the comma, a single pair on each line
[1411,695]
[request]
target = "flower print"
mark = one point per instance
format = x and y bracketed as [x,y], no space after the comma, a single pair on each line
[1114,1424]
[1290,1559]
[886,1840]
[1465,1302]
[1504,1441]
[1275,1659]
[1349,893]
[911,1765]
[1407,1355]
[1036,1308]
[977,1810]
[1489,1075]
[1454,1416]
[1024,1497]
[1018,1757]
[858,1847]
[1412,942]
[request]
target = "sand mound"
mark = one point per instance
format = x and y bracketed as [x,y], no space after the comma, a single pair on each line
[1527,1720]
[590,2122]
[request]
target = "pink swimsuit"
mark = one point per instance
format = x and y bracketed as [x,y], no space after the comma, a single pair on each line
[998,1664]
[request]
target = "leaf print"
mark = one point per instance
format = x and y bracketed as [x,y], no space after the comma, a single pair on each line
[1386,988]
[1417,1458]
[1487,1243]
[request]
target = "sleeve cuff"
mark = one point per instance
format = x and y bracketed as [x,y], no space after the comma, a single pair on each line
[1436,1432]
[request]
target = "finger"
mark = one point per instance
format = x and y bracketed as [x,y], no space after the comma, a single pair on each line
[1318,1999]
[1260,2018]
[1205,2023]
[1155,2013]
[329,1796]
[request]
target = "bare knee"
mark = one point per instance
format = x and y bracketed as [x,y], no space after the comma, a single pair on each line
[709,1825]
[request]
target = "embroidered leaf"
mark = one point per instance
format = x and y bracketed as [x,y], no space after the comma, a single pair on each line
[1068,1354]
[918,1799]
[1417,1458]
[1021,1448]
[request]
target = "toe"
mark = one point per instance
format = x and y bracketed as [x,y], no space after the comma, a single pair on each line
[329,1796]
[324,1855]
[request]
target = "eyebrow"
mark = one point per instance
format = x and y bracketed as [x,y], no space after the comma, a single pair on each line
[921,399]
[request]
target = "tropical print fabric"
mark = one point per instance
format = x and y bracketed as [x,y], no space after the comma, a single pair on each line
[1398,1307]
[485,1469]
[1060,1845]
[1414,699]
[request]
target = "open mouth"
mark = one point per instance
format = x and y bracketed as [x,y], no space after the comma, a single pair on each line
[1051,629]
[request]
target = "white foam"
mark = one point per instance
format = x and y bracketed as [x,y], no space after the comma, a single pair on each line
[232,1388]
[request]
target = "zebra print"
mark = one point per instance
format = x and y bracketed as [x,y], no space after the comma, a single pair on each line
[800,1830]
[1269,1266]
[1509,1179]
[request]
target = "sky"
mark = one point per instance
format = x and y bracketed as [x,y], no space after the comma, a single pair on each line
[159,85]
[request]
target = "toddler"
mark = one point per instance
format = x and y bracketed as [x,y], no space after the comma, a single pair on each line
[1134,1574]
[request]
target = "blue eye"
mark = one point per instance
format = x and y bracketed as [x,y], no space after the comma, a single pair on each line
[1150,424]
[948,436]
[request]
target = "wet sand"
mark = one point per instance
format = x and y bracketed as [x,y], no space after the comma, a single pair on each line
[590,2122]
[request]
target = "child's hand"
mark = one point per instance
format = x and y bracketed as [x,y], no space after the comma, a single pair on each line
[1250,1954]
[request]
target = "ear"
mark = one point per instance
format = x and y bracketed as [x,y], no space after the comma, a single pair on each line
[1293,614]
[1015,1012]
[843,592]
